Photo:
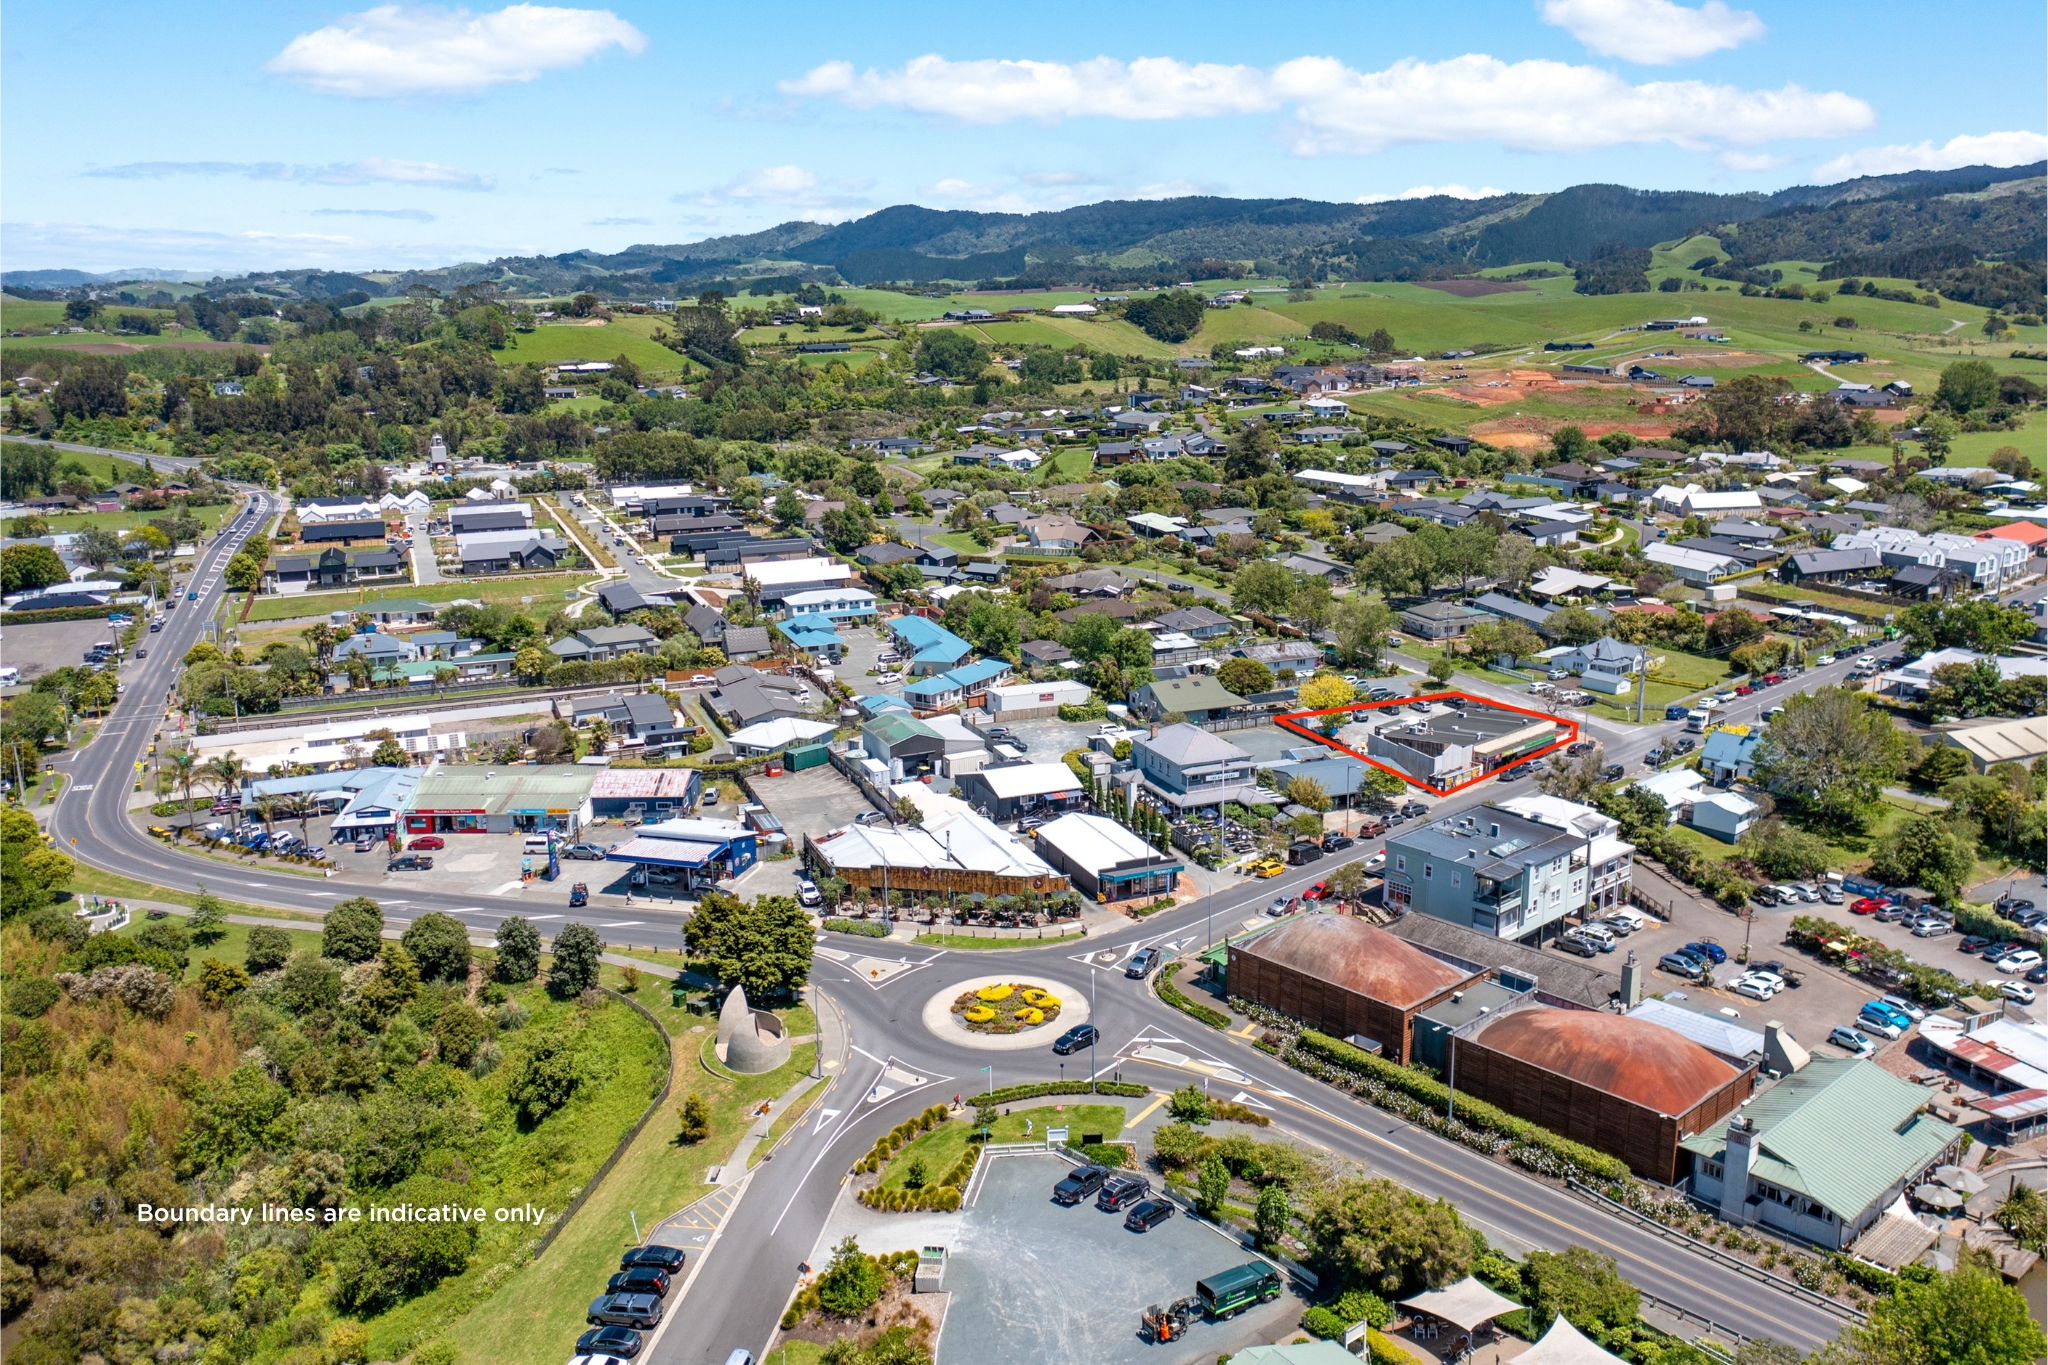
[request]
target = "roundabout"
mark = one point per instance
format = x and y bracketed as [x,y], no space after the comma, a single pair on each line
[1001,997]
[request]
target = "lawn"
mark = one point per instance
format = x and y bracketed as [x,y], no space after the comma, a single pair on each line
[1690,669]
[537,1306]
[93,881]
[548,591]
[959,540]
[943,1145]
[232,946]
[71,523]
[552,343]
[970,942]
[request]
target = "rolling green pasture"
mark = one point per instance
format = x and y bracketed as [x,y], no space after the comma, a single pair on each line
[548,592]
[553,343]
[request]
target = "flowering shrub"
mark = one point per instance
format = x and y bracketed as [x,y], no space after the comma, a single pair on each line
[1029,1016]
[980,1014]
[994,993]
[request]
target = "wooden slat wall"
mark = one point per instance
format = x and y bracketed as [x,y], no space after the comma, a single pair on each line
[1646,1140]
[1323,1005]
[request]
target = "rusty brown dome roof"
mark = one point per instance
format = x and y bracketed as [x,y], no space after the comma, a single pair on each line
[1642,1062]
[1358,956]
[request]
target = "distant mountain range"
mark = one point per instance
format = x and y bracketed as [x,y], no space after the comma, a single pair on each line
[1991,211]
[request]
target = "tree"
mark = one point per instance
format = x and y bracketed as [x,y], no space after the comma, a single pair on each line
[765,948]
[390,754]
[1382,1237]
[97,546]
[545,1075]
[1746,407]
[1189,1104]
[1244,677]
[694,1117]
[1829,752]
[1966,690]
[1572,779]
[267,950]
[1928,853]
[1212,1187]
[1569,442]
[24,568]
[1264,586]
[1583,1287]
[1249,454]
[459,1032]
[1986,627]
[1572,626]
[440,945]
[575,968]
[851,1283]
[244,573]
[518,951]
[209,922]
[1171,317]
[353,931]
[1967,385]
[1306,791]
[1469,552]
[1380,342]
[1969,1316]
[1402,568]
[1361,629]
[951,353]
[220,981]
[1326,691]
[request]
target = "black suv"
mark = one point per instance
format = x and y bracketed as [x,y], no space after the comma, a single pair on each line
[640,1279]
[1074,1039]
[1148,1215]
[1079,1185]
[1120,1191]
[622,1342]
[1333,843]
[625,1310]
[668,1258]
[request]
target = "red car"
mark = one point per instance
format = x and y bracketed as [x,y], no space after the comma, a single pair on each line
[1869,905]
[1744,690]
[1317,892]
[426,843]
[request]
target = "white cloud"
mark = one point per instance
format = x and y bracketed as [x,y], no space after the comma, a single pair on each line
[369,171]
[1653,32]
[409,215]
[1429,191]
[396,51]
[1751,161]
[621,222]
[96,246]
[1530,106]
[1987,149]
[1171,189]
[814,198]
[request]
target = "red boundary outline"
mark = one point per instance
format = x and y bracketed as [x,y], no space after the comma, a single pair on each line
[1288,720]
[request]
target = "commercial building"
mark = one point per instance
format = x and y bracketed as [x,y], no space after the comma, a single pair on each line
[1624,1086]
[770,736]
[1032,701]
[1189,768]
[474,799]
[2006,1058]
[1490,870]
[1198,697]
[1998,741]
[692,853]
[321,747]
[1451,748]
[1105,861]
[645,793]
[1441,620]
[1020,789]
[1612,857]
[1822,1153]
[785,578]
[905,744]
[361,801]
[955,852]
[1345,977]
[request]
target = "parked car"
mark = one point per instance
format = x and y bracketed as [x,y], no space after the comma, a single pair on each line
[1901,1005]
[1682,964]
[623,1342]
[584,852]
[654,1253]
[1754,988]
[2014,991]
[1843,1036]
[807,893]
[1712,952]
[625,1310]
[2038,974]
[1142,964]
[1120,1191]
[2021,961]
[1148,1214]
[1267,867]
[1929,927]
[1623,915]
[1279,906]
[1079,1184]
[1611,772]
[1333,843]
[2026,919]
[1973,943]
[410,862]
[1998,951]
[1571,942]
[426,843]
[365,844]
[1514,774]
[1074,1039]
[1881,1026]
[1831,894]
[640,1279]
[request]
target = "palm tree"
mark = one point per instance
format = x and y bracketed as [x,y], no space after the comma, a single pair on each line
[358,670]
[299,806]
[444,676]
[320,639]
[600,735]
[225,773]
[266,811]
[183,765]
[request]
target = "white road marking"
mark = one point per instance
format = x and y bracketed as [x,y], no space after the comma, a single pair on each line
[1246,1097]
[542,917]
[623,924]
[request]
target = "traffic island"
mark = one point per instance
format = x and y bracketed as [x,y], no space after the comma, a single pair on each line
[945,1014]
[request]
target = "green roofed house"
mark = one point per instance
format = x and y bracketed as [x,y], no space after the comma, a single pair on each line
[1826,1150]
[1198,696]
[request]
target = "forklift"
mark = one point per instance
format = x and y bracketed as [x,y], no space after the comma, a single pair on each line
[1169,1323]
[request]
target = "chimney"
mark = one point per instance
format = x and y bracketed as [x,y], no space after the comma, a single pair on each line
[1782,1052]
[1736,1163]
[1155,729]
[1631,982]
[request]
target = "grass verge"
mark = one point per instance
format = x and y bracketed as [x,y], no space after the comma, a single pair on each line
[94,881]
[943,1145]
[987,944]
[790,1118]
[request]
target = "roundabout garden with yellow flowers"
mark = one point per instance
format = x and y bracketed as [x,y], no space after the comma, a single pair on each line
[1006,1007]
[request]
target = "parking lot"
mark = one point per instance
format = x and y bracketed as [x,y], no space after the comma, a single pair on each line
[809,802]
[36,649]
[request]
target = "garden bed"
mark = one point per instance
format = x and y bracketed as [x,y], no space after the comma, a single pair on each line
[1006,1007]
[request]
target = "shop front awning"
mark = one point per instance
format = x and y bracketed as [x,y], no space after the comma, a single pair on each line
[665,852]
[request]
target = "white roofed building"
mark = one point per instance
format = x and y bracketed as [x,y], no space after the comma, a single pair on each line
[1106,861]
[955,850]
[1020,788]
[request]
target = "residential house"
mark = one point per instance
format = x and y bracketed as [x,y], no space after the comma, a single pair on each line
[706,623]
[1514,609]
[833,605]
[813,635]
[331,568]
[1091,583]
[1285,656]
[1156,524]
[957,687]
[641,720]
[344,531]
[313,511]
[599,643]
[1830,566]
[886,552]
[1198,697]
[1349,487]
[1694,566]
[1044,653]
[743,644]
[1607,665]
[746,697]
[1552,533]
[1197,622]
[1730,754]
[510,552]
[1440,620]
[1189,768]
[1058,533]
[930,646]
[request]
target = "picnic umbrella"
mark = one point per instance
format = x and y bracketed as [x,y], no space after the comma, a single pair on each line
[1956,1178]
[1937,1197]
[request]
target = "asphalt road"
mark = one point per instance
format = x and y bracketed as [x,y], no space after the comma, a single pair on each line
[181,463]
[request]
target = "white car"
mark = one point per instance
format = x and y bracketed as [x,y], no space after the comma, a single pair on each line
[2017,991]
[1823,661]
[1888,1031]
[2023,960]
[1376,862]
[1867,661]
[1768,978]
[1753,988]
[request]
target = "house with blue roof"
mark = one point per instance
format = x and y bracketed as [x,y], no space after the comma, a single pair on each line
[814,635]
[960,687]
[880,704]
[1730,754]
[932,648]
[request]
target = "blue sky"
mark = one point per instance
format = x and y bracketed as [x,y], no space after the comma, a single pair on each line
[214,136]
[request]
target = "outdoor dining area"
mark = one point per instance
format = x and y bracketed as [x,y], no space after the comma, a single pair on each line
[1456,1324]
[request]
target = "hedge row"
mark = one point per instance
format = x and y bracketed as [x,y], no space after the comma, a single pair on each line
[1472,1113]
[1011,1094]
[889,1143]
[872,928]
[1114,1154]
[30,618]
[1173,996]
[942,1198]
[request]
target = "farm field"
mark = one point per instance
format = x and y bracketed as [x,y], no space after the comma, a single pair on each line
[552,343]
[548,592]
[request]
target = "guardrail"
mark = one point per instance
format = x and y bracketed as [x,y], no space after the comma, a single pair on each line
[1714,1254]
[1686,1316]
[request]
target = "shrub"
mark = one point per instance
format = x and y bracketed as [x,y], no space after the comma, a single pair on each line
[867,928]
[1321,1322]
[29,997]
[1011,1094]
[1177,1144]
[1189,1104]
[353,931]
[267,950]
[851,1283]
[695,1116]
[1173,996]
[439,945]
